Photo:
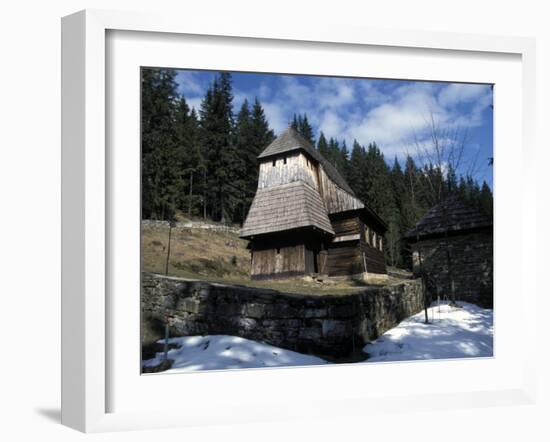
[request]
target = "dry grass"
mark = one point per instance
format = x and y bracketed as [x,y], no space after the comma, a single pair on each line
[219,256]
[194,251]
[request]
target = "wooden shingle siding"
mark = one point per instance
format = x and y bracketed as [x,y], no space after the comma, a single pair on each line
[334,197]
[289,141]
[450,215]
[286,207]
[295,169]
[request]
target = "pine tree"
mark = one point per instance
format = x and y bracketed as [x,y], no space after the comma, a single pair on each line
[161,178]
[412,206]
[301,125]
[486,200]
[396,248]
[252,136]
[294,123]
[334,154]
[216,137]
[322,145]
[262,136]
[307,131]
[191,159]
[344,153]
[356,169]
[378,186]
[243,139]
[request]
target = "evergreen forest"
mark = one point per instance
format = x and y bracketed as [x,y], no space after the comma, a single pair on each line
[203,163]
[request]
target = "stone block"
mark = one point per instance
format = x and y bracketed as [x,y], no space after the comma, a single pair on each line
[255,311]
[331,327]
[310,334]
[191,305]
[247,324]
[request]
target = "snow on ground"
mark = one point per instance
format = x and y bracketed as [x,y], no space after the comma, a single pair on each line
[218,352]
[452,333]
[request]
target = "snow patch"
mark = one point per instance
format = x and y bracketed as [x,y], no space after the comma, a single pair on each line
[452,333]
[217,352]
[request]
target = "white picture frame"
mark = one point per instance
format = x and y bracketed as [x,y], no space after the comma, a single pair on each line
[86,206]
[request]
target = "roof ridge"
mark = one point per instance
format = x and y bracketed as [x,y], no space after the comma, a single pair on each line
[460,216]
[290,140]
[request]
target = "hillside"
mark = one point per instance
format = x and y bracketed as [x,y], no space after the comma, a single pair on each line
[213,252]
[207,251]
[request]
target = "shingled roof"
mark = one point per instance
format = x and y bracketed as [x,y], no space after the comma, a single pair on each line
[285,207]
[290,140]
[450,215]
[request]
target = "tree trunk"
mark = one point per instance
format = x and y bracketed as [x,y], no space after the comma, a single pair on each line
[222,208]
[168,251]
[423,281]
[190,195]
[450,270]
[204,195]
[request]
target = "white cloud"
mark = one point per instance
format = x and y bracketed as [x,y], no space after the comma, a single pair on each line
[395,123]
[238,100]
[334,92]
[456,93]
[393,114]
[264,91]
[331,124]
[371,94]
[189,84]
[404,116]
[326,102]
[194,102]
[276,116]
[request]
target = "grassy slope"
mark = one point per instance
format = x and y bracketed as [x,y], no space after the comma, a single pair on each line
[221,256]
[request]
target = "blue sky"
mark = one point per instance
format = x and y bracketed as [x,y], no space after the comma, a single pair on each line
[393,113]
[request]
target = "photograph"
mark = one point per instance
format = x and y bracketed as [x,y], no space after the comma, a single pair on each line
[306,220]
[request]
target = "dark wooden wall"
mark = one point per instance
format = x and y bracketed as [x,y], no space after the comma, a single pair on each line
[375,260]
[345,259]
[350,225]
[305,252]
[349,257]
[287,254]
[281,262]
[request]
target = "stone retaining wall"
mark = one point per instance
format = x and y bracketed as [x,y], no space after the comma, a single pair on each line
[159,224]
[331,326]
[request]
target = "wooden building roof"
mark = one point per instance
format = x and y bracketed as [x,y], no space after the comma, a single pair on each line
[290,140]
[451,215]
[286,207]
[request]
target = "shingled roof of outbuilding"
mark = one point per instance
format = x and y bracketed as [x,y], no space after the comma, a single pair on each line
[290,140]
[450,215]
[286,207]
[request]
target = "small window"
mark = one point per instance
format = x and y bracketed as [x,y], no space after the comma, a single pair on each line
[278,251]
[284,160]
[274,161]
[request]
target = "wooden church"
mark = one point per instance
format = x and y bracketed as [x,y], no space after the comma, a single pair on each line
[306,220]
